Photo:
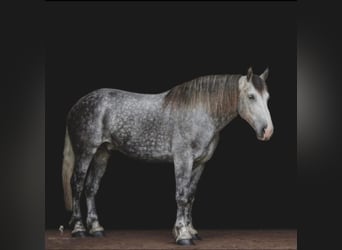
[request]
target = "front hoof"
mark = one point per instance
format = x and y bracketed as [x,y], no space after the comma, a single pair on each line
[97,234]
[196,237]
[185,242]
[78,234]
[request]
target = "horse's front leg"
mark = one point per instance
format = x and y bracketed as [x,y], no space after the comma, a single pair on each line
[183,167]
[195,176]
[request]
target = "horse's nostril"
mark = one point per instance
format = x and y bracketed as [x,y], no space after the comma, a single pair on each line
[264,129]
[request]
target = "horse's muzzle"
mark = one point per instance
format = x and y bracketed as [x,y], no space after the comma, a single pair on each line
[267,133]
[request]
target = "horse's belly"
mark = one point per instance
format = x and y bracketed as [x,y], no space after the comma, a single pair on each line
[146,148]
[146,152]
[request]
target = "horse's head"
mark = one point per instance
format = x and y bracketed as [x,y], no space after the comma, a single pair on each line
[252,106]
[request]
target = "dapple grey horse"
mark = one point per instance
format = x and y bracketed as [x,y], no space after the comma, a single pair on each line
[181,126]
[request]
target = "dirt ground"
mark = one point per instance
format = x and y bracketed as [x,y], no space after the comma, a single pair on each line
[162,239]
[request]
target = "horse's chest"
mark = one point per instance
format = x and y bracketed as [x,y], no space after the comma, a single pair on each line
[205,154]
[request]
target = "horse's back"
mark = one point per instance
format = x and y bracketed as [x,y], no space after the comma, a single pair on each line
[115,101]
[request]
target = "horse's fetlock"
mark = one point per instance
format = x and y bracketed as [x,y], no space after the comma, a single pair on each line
[91,218]
[95,226]
[74,220]
[78,227]
[182,233]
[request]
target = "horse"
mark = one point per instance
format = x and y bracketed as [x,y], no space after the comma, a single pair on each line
[180,126]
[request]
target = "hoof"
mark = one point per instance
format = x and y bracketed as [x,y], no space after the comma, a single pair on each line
[186,242]
[97,234]
[196,237]
[79,234]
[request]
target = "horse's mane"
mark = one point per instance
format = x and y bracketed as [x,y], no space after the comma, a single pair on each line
[217,94]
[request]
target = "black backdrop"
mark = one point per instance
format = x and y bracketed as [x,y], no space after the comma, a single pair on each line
[149,48]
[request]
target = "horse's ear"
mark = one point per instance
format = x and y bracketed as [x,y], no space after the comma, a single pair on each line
[264,75]
[249,74]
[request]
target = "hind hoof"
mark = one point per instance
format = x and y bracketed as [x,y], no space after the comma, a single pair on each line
[97,234]
[196,237]
[186,242]
[79,234]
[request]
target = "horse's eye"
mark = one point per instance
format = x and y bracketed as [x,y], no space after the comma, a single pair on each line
[251,97]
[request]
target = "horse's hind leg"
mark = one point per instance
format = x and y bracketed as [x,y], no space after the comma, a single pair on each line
[82,162]
[96,171]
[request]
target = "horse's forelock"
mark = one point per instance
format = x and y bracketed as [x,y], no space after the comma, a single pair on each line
[258,83]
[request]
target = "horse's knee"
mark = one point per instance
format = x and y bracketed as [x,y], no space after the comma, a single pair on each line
[182,200]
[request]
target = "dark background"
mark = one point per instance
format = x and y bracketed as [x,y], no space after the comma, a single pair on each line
[22,185]
[149,48]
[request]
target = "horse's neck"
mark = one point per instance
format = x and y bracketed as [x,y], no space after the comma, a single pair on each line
[221,122]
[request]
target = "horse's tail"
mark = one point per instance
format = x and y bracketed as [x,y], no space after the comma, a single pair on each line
[67,170]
